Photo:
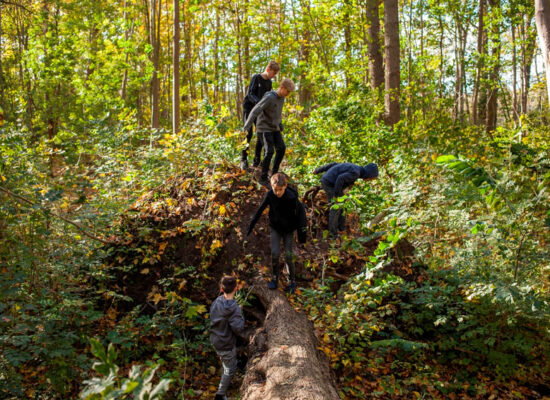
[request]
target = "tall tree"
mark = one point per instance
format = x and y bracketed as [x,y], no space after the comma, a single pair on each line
[392,61]
[376,63]
[542,18]
[176,70]
[494,80]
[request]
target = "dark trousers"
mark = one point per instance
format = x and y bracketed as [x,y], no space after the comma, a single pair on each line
[259,142]
[336,217]
[288,239]
[273,143]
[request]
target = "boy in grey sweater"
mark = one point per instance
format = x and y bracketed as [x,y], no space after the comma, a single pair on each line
[267,114]
[226,322]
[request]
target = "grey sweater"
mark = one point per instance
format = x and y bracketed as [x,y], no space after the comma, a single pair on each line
[226,321]
[268,111]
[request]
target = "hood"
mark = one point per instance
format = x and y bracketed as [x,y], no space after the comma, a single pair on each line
[369,171]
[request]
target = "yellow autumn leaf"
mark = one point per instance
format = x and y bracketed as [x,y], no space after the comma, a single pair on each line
[222,210]
[158,297]
[215,245]
[144,271]
[3,178]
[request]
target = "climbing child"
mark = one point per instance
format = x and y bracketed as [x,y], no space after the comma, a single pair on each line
[268,125]
[339,176]
[286,215]
[259,85]
[226,322]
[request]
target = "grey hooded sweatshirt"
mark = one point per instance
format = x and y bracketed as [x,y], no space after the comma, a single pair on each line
[268,111]
[226,321]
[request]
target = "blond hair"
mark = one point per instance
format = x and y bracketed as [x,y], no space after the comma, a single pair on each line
[273,66]
[288,84]
[279,179]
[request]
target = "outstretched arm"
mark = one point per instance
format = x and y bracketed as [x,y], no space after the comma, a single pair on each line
[258,214]
[258,108]
[324,168]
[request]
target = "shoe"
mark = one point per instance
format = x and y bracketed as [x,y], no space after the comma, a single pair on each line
[273,284]
[244,164]
[221,397]
[291,288]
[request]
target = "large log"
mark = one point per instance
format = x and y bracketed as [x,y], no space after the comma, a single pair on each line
[284,361]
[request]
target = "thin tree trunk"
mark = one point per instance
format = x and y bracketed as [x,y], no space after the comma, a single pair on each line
[542,19]
[480,54]
[216,58]
[176,70]
[155,43]
[376,62]
[492,98]
[392,61]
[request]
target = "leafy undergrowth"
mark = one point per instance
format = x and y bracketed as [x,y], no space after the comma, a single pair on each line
[159,279]
[399,330]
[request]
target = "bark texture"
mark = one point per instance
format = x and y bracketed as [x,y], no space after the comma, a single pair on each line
[542,19]
[284,362]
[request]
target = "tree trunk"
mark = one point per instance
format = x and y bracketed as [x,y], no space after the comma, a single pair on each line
[176,70]
[542,19]
[155,43]
[392,60]
[492,95]
[479,68]
[528,47]
[376,63]
[283,357]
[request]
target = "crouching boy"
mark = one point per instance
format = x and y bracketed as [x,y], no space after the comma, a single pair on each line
[226,322]
[286,215]
[339,176]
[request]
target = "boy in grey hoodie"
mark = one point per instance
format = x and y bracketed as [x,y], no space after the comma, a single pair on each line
[226,322]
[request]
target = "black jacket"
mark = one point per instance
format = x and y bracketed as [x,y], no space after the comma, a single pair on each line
[226,321]
[286,213]
[256,90]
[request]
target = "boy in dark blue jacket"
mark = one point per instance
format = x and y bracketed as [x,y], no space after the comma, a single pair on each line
[226,322]
[286,215]
[259,85]
[339,176]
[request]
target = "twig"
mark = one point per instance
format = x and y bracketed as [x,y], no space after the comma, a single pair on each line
[76,224]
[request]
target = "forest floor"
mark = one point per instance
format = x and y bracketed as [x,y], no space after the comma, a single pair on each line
[181,238]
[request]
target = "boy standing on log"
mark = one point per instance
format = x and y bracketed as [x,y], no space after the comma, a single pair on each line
[286,215]
[269,126]
[339,176]
[226,322]
[259,85]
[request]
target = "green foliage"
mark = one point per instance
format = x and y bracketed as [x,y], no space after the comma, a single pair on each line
[138,385]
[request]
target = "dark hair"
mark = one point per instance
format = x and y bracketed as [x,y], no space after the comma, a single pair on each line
[228,283]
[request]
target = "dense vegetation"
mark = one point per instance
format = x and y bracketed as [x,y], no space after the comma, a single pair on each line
[450,297]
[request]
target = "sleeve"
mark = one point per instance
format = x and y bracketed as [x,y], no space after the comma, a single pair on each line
[302,222]
[258,108]
[324,168]
[257,215]
[236,321]
[344,179]
[252,88]
[281,127]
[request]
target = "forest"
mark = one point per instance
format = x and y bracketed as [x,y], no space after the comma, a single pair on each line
[124,201]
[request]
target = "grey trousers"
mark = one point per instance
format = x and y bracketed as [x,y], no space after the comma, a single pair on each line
[336,217]
[229,364]
[288,239]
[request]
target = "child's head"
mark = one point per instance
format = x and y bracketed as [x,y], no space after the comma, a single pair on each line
[278,183]
[370,171]
[272,69]
[286,87]
[228,284]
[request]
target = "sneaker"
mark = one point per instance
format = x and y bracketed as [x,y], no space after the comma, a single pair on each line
[244,164]
[291,288]
[273,284]
[221,397]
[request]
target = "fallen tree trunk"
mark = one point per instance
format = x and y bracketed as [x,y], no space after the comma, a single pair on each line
[284,361]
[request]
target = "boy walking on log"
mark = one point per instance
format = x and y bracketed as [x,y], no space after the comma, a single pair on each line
[226,322]
[339,176]
[269,126]
[259,85]
[286,215]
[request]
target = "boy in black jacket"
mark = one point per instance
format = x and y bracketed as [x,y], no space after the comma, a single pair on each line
[226,321]
[286,214]
[260,84]
[339,176]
